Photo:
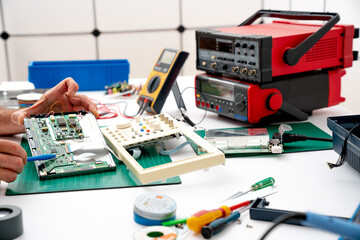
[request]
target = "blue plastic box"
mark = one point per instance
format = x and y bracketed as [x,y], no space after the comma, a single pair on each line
[91,75]
[340,127]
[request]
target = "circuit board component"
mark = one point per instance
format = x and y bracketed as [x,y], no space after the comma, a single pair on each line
[57,134]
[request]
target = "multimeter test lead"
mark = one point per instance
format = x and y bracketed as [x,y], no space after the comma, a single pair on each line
[257,186]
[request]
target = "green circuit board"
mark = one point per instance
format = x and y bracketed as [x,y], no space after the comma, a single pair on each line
[52,135]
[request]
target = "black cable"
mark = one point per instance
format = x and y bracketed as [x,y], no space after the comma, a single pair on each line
[341,159]
[282,219]
[186,118]
[289,138]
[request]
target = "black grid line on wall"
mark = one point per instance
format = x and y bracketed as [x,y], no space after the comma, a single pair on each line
[6,36]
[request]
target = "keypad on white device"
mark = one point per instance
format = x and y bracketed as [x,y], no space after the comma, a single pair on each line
[143,129]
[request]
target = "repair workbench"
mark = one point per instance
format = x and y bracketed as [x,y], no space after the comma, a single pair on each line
[303,182]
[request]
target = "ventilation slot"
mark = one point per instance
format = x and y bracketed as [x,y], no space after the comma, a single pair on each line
[322,50]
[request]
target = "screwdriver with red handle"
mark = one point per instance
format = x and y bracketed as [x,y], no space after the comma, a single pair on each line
[204,217]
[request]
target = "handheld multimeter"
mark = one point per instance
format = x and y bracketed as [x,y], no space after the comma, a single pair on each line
[161,80]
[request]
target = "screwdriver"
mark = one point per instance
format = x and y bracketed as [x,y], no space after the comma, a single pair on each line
[41,157]
[220,224]
[257,186]
[204,217]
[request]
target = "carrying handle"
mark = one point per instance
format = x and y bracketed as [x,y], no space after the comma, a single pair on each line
[293,55]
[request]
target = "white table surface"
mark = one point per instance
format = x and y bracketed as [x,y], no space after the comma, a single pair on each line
[303,180]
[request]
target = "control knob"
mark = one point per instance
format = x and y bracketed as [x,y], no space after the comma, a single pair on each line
[240,102]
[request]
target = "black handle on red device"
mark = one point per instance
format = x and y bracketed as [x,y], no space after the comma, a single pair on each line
[293,55]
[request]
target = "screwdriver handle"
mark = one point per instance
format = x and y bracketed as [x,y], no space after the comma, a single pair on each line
[219,224]
[202,218]
[263,184]
[41,157]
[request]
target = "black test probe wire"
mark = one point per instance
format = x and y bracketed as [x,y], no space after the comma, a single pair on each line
[186,118]
[341,159]
[144,104]
[281,219]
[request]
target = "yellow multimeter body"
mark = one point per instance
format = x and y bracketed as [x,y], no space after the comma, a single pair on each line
[161,79]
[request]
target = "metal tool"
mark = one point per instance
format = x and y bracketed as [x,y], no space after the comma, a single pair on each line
[257,186]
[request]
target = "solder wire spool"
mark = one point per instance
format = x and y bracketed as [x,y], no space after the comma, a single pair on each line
[11,225]
[156,232]
[28,99]
[153,209]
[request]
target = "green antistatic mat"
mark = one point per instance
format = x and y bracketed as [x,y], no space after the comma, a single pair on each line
[28,181]
[304,128]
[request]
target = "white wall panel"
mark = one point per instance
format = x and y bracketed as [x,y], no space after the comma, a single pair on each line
[277,4]
[349,14]
[1,23]
[3,74]
[207,13]
[190,46]
[141,49]
[48,16]
[114,15]
[308,5]
[25,49]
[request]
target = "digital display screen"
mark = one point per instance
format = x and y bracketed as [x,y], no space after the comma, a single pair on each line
[216,45]
[167,57]
[217,90]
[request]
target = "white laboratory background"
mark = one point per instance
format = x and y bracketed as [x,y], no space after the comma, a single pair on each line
[137,30]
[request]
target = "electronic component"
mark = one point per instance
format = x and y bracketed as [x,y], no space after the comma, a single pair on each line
[57,139]
[239,140]
[150,130]
[162,80]
[260,52]
[72,122]
[61,122]
[288,96]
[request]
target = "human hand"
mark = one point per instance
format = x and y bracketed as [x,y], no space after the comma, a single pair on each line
[12,160]
[64,95]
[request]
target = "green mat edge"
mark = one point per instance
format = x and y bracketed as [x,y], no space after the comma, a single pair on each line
[289,148]
[25,145]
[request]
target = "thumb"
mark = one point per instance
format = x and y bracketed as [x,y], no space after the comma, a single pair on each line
[18,117]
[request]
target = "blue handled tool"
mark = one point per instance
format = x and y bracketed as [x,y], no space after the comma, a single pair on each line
[345,228]
[220,224]
[41,157]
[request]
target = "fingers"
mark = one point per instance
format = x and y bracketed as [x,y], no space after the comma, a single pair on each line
[7,175]
[18,117]
[83,101]
[13,148]
[67,85]
[12,160]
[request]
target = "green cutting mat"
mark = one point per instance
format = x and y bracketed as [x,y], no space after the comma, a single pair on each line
[28,181]
[304,128]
